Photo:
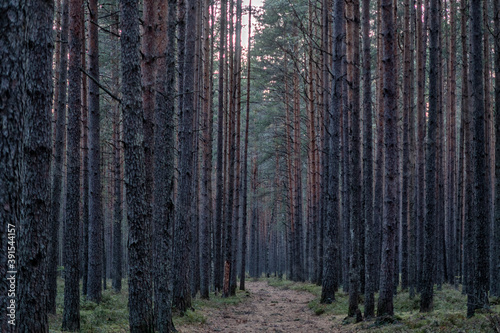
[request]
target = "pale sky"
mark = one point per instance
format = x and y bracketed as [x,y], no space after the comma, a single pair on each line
[244,21]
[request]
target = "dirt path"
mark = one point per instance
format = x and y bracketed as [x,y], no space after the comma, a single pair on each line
[267,309]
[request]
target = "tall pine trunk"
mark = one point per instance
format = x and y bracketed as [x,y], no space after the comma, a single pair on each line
[388,30]
[71,314]
[140,289]
[57,175]
[95,244]
[37,149]
[477,296]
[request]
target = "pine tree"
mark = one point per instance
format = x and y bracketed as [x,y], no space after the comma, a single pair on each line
[95,222]
[57,175]
[388,31]
[35,206]
[140,305]
[71,314]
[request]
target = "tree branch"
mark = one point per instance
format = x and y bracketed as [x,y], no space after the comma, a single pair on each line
[106,90]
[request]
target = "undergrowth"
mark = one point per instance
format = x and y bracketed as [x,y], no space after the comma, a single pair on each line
[448,315]
[111,315]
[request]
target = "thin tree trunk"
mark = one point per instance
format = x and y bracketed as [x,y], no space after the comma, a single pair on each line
[95,243]
[244,222]
[57,175]
[218,270]
[495,281]
[370,252]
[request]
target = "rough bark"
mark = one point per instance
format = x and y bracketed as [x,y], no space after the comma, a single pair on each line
[163,188]
[426,301]
[405,189]
[244,222]
[390,219]
[219,268]
[140,289]
[206,190]
[495,282]
[37,149]
[95,244]
[333,151]
[182,295]
[117,169]
[71,313]
[370,252]
[478,297]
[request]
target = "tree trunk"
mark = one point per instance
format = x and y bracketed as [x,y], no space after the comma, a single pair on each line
[244,222]
[478,297]
[37,149]
[495,282]
[140,291]
[71,314]
[218,264]
[333,150]
[206,204]
[95,244]
[390,220]
[163,186]
[370,252]
[182,295]
[57,179]
[117,168]
[429,264]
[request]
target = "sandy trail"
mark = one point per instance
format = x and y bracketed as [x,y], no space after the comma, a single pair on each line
[266,309]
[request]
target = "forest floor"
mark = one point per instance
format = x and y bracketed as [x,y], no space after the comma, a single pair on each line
[264,309]
[279,305]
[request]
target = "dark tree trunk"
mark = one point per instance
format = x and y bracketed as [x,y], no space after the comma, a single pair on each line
[244,220]
[478,297]
[13,96]
[495,282]
[426,301]
[254,228]
[370,248]
[421,55]
[84,247]
[95,244]
[57,179]
[218,264]
[37,149]
[329,278]
[413,193]
[149,39]
[182,295]
[117,169]
[379,157]
[451,213]
[390,220]
[71,314]
[406,189]
[140,289]
[163,188]
[206,188]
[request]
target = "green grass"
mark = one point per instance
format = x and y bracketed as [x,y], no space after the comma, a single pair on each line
[111,315]
[448,315]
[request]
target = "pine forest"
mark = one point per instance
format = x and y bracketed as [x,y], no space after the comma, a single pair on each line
[237,166]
